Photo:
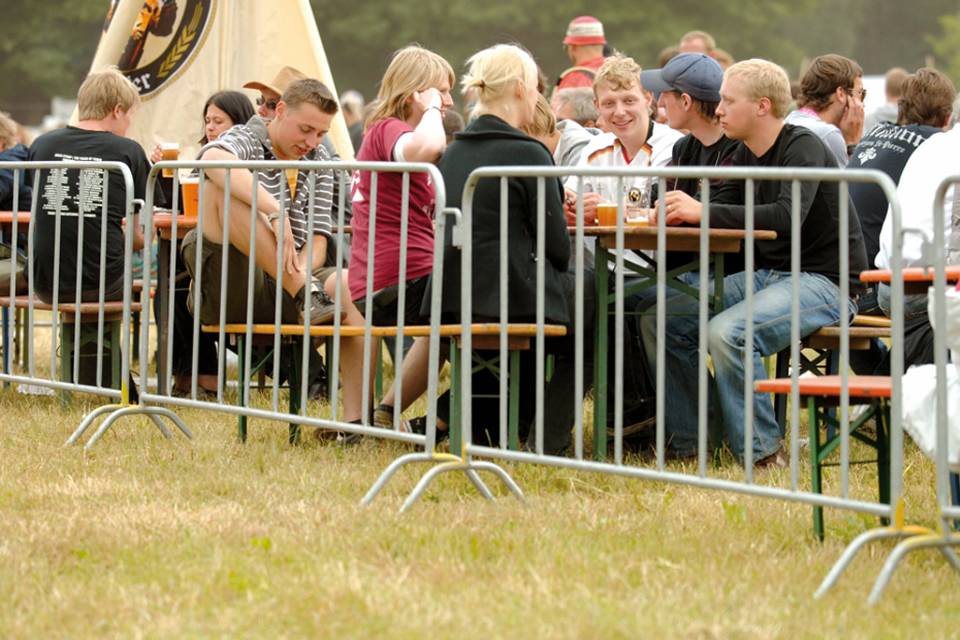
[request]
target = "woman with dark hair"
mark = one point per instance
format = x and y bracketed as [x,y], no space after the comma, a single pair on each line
[222,110]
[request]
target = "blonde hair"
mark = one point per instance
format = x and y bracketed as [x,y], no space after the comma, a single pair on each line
[412,69]
[618,73]
[9,131]
[544,123]
[494,71]
[104,90]
[764,79]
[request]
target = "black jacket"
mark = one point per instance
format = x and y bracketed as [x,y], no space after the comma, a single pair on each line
[489,141]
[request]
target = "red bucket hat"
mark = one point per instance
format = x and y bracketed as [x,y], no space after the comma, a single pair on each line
[585,30]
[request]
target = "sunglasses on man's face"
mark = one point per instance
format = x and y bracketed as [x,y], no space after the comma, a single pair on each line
[271,104]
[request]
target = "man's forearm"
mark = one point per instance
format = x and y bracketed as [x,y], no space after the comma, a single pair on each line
[241,183]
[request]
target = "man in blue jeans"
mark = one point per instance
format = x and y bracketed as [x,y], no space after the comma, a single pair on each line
[754,99]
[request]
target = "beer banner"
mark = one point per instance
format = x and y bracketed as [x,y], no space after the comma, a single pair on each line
[179,52]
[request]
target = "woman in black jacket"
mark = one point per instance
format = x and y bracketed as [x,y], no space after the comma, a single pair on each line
[503,81]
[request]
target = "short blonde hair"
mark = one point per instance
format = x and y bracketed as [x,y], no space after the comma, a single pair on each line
[764,79]
[9,131]
[493,72]
[618,73]
[544,123]
[104,90]
[412,69]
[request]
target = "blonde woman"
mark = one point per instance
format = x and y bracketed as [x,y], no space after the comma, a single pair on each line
[503,81]
[406,126]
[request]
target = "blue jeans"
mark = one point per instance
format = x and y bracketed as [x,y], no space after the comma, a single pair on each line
[819,307]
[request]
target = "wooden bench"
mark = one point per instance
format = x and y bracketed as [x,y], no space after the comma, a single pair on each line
[85,313]
[485,337]
[823,394]
[825,345]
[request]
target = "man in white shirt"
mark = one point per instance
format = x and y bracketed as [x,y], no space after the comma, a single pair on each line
[633,141]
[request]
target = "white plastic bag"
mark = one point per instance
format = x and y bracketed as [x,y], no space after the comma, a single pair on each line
[920,390]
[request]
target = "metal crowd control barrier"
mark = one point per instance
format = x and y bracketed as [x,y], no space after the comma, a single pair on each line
[914,538]
[73,213]
[276,329]
[790,204]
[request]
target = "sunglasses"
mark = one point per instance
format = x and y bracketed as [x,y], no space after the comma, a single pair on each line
[271,104]
[862,93]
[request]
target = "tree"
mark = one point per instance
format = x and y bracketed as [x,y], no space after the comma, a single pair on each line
[946,46]
[46,51]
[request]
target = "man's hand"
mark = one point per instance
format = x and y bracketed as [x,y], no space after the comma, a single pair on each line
[590,202]
[851,123]
[680,208]
[291,262]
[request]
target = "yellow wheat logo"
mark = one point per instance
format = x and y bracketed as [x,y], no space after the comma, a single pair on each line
[187,35]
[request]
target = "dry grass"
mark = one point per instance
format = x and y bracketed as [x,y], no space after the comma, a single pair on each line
[146,537]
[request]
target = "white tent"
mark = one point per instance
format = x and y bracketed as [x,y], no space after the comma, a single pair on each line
[180,52]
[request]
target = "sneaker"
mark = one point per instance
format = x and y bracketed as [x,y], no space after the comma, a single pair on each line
[322,307]
[418,425]
[383,418]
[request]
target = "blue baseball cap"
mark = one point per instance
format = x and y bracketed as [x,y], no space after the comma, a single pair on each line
[696,74]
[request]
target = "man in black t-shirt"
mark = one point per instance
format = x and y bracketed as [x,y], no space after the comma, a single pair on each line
[689,88]
[923,110]
[754,99]
[106,103]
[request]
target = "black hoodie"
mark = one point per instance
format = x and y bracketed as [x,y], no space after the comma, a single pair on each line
[489,141]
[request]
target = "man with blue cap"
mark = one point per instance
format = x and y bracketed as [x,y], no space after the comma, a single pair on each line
[689,90]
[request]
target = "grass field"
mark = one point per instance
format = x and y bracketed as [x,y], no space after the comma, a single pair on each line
[145,537]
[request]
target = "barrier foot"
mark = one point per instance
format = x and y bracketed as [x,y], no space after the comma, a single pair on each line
[118,411]
[395,466]
[931,540]
[470,467]
[87,421]
[882,533]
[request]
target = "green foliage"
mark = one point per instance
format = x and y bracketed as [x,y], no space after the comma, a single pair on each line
[946,46]
[46,49]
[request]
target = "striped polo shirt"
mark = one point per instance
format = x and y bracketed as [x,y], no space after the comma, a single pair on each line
[250,141]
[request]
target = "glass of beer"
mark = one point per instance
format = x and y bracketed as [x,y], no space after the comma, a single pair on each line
[191,195]
[607,214]
[169,151]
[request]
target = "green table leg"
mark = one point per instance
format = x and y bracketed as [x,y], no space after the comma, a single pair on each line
[882,415]
[455,400]
[242,380]
[816,464]
[115,361]
[600,354]
[66,368]
[513,423]
[294,379]
[378,378]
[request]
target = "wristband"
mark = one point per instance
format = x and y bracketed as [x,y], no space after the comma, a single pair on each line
[272,217]
[437,108]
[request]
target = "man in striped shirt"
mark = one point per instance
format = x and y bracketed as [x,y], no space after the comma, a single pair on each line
[293,222]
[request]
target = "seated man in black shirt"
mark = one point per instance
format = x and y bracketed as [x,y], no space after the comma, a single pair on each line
[689,88]
[753,102]
[106,103]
